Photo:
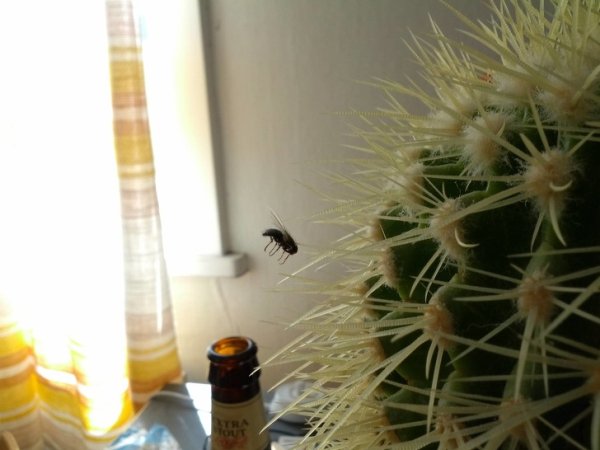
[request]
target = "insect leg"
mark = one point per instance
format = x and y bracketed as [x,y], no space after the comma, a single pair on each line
[287,255]
[268,243]
[275,249]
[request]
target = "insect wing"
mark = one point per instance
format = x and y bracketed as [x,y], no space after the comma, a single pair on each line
[278,222]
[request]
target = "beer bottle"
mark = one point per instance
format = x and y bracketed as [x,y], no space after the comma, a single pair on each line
[238,414]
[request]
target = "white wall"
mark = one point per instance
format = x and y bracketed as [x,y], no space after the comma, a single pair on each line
[280,68]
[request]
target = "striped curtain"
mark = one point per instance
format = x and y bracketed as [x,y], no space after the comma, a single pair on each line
[153,359]
[74,372]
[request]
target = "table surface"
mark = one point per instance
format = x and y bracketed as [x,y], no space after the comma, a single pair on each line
[184,409]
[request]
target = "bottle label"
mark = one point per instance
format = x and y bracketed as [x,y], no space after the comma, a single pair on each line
[237,426]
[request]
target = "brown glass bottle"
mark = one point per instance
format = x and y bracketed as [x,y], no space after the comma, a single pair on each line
[237,414]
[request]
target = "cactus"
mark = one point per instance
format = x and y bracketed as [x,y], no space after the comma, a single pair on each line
[469,313]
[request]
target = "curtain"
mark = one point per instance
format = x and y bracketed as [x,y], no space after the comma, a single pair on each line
[86,323]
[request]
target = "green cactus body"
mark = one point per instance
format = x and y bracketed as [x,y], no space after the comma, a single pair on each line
[470,318]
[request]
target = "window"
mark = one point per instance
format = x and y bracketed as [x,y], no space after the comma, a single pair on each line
[177,90]
[56,115]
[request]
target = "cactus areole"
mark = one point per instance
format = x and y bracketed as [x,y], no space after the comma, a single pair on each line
[470,314]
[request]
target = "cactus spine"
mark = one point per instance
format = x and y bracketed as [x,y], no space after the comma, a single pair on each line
[470,315]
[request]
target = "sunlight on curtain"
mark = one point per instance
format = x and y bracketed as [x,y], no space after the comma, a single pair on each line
[85,334]
[153,358]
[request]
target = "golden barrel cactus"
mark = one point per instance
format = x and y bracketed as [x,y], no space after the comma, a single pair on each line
[469,315]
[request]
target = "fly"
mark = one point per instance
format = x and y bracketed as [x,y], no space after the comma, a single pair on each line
[280,239]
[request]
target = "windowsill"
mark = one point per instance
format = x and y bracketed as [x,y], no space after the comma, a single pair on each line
[229,265]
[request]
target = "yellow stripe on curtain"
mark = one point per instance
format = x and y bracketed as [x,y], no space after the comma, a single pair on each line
[18,384]
[153,358]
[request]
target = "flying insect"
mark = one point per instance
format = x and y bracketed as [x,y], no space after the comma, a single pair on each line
[280,239]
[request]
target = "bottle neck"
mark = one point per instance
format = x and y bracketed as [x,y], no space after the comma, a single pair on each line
[235,395]
[233,371]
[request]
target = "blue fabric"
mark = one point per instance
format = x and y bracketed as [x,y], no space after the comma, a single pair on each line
[157,437]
